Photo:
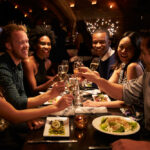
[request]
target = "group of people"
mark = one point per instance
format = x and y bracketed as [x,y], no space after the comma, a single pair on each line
[120,74]
[13,96]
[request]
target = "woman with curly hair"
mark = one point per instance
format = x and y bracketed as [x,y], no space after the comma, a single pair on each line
[37,65]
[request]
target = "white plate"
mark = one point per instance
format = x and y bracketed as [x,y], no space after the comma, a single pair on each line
[48,126]
[104,95]
[52,101]
[97,121]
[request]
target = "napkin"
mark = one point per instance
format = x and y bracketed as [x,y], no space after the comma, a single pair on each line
[92,110]
[70,111]
[86,92]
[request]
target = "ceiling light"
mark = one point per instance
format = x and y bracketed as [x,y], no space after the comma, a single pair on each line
[94,2]
[45,8]
[16,6]
[72,4]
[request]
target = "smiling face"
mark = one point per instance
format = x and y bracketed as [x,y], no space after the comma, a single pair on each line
[18,46]
[100,43]
[125,50]
[43,47]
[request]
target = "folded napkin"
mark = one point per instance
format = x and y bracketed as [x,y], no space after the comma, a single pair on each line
[126,144]
[86,92]
[92,110]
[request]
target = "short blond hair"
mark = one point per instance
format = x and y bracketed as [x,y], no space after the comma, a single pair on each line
[8,30]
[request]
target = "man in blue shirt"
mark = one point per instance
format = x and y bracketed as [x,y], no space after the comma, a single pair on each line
[102,49]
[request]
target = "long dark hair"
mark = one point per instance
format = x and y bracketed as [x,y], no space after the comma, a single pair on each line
[135,41]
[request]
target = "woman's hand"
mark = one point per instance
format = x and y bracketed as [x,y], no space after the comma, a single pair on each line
[64,102]
[89,103]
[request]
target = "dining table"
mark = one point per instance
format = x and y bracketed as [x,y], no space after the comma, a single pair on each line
[87,138]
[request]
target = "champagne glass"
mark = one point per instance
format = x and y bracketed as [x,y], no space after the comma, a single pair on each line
[76,65]
[95,63]
[66,65]
[93,66]
[61,71]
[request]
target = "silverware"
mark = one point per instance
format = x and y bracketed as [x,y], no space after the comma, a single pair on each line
[100,147]
[51,141]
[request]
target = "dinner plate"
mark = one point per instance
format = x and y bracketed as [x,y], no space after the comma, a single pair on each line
[52,101]
[101,98]
[98,123]
[51,132]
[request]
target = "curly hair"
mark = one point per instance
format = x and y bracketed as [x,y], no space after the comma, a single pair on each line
[38,32]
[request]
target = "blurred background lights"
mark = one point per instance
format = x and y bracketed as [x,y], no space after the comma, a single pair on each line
[109,24]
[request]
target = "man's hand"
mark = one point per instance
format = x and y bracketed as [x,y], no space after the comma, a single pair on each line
[35,124]
[57,89]
[64,102]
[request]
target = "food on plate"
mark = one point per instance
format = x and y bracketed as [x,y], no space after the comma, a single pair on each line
[117,124]
[101,98]
[57,127]
[54,100]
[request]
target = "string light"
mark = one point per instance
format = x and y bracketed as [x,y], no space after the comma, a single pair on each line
[111,26]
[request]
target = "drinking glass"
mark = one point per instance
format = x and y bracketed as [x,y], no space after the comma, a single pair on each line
[76,65]
[95,63]
[93,66]
[66,65]
[62,72]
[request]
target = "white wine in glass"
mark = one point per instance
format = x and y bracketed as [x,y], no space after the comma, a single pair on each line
[94,64]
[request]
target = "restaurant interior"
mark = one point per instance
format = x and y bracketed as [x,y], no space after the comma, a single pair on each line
[117,15]
[81,125]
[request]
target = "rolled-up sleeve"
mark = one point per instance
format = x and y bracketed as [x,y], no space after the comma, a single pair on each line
[133,91]
[13,91]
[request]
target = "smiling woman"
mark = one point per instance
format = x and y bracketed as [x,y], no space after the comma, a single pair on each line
[37,65]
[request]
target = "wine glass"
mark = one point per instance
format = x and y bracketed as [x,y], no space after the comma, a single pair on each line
[62,71]
[93,66]
[95,63]
[76,65]
[66,65]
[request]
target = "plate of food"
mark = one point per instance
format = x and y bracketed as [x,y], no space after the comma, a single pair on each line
[52,101]
[100,97]
[116,125]
[56,127]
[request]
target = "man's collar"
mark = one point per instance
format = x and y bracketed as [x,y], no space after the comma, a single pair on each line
[11,62]
[109,53]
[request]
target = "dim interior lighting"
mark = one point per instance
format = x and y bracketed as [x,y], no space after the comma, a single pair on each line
[16,6]
[111,6]
[110,25]
[94,2]
[45,8]
[25,15]
[72,4]
[30,10]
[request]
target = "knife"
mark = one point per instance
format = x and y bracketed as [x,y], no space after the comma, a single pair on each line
[51,141]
